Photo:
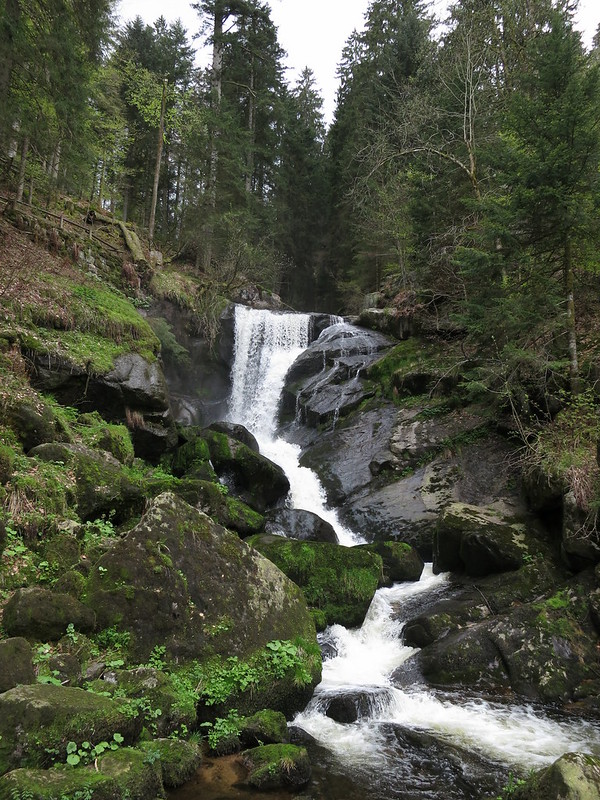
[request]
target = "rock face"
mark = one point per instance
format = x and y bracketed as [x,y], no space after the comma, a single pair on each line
[477,541]
[180,579]
[199,384]
[323,383]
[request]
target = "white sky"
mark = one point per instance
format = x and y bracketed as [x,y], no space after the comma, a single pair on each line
[313,32]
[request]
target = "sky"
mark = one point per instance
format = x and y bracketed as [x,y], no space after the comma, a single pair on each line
[313,32]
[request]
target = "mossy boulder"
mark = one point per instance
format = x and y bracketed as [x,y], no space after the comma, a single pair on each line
[34,424]
[16,663]
[62,551]
[264,727]
[401,562]
[477,541]
[192,455]
[101,435]
[247,474]
[160,703]
[213,499]
[540,650]
[178,759]
[180,580]
[338,582]
[41,614]
[41,719]
[574,776]
[103,486]
[277,766]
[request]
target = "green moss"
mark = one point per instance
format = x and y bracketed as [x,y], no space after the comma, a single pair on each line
[338,582]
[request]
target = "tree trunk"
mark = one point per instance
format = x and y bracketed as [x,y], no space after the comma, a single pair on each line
[22,166]
[159,149]
[569,280]
[204,257]
[251,130]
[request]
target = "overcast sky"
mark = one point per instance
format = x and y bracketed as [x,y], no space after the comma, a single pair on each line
[313,32]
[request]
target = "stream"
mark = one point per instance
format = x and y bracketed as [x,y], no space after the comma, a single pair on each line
[410,741]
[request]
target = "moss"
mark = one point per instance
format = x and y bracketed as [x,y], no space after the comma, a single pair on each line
[277,765]
[338,582]
[178,760]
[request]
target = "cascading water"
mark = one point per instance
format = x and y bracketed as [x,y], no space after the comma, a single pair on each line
[266,345]
[367,661]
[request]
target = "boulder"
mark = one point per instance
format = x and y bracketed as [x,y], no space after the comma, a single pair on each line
[574,776]
[277,766]
[338,582]
[34,424]
[41,719]
[323,384]
[178,759]
[539,650]
[236,431]
[401,562]
[264,727]
[180,580]
[249,475]
[37,613]
[103,485]
[16,663]
[298,524]
[157,690]
[214,499]
[477,541]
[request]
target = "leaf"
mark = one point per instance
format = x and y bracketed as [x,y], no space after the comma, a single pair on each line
[73,759]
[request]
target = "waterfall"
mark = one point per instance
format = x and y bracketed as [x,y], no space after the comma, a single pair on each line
[369,660]
[266,345]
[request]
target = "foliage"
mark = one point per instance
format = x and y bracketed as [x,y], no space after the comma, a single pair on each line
[87,752]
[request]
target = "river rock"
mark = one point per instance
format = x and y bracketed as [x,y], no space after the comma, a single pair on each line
[256,480]
[34,719]
[298,524]
[338,582]
[103,485]
[540,650]
[236,431]
[477,541]
[178,760]
[16,663]
[180,580]
[213,499]
[401,562]
[37,613]
[277,766]
[574,776]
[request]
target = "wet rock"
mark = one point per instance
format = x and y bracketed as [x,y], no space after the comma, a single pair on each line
[264,727]
[180,580]
[37,613]
[349,706]
[16,663]
[299,524]
[401,562]
[236,431]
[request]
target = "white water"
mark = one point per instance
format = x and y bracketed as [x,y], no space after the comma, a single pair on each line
[519,736]
[266,345]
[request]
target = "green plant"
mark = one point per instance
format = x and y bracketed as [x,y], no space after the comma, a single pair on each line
[511,787]
[87,752]
[156,659]
[222,728]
